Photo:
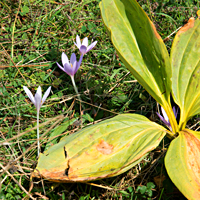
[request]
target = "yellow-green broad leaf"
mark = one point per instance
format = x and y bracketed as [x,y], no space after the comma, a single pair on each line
[139,45]
[141,49]
[102,150]
[185,61]
[183,163]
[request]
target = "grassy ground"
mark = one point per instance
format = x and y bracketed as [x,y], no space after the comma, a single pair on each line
[33,36]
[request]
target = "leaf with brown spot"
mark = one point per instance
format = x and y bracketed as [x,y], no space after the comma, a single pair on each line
[182,162]
[185,61]
[116,145]
[187,26]
[104,147]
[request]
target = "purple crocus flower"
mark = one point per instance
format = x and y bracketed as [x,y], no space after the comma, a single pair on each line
[38,100]
[84,48]
[164,118]
[70,67]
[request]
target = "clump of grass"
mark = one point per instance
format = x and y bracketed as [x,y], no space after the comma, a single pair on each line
[33,36]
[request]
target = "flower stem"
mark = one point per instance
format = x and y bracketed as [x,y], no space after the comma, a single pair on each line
[38,136]
[75,88]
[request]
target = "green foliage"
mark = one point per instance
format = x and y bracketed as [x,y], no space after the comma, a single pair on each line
[143,52]
[103,150]
[24,11]
[186,68]
[11,190]
[42,30]
[185,150]
[129,36]
[141,49]
[141,192]
[146,191]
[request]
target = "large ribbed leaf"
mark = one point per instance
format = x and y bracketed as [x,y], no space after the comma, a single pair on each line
[139,45]
[140,48]
[185,60]
[183,163]
[102,150]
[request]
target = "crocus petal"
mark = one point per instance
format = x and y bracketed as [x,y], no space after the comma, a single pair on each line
[163,120]
[80,60]
[74,68]
[78,63]
[29,94]
[60,66]
[38,102]
[38,99]
[91,46]
[85,41]
[175,111]
[83,49]
[164,114]
[46,94]
[39,92]
[73,58]
[78,41]
[64,58]
[69,69]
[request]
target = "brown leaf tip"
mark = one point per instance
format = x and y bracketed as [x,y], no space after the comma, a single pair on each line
[187,26]
[155,31]
[104,147]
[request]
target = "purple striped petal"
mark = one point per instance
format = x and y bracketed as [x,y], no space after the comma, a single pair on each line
[74,68]
[175,111]
[78,41]
[64,59]
[163,120]
[80,60]
[38,100]
[164,114]
[91,46]
[78,64]
[60,66]
[85,41]
[46,94]
[39,92]
[29,94]
[69,69]
[83,49]
[73,58]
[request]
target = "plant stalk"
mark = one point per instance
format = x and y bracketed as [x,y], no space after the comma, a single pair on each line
[38,136]
[75,88]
